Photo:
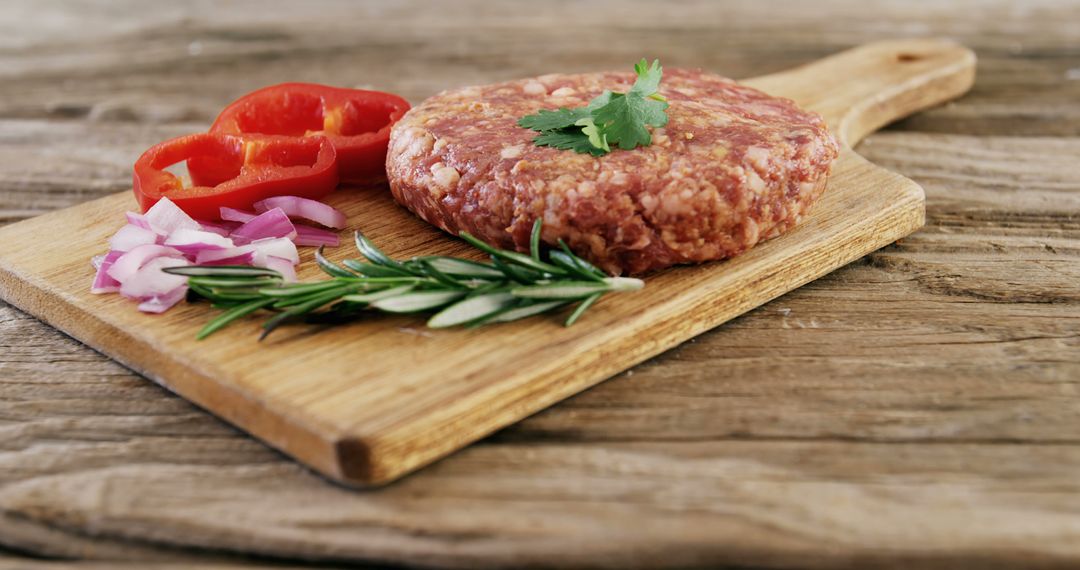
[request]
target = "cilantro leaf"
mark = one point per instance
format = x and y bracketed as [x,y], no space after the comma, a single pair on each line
[596,138]
[648,78]
[624,119]
[609,119]
[545,120]
[568,139]
[600,100]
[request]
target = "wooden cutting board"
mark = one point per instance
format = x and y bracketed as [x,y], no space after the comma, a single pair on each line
[368,402]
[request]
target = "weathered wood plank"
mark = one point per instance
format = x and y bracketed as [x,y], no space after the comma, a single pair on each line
[17,563]
[943,384]
[182,62]
[49,165]
[948,362]
[696,504]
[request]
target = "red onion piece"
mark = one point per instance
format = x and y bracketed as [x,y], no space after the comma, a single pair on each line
[103,282]
[129,263]
[234,215]
[270,224]
[277,247]
[211,256]
[297,207]
[282,266]
[191,242]
[247,258]
[162,303]
[166,217]
[150,281]
[309,235]
[166,237]
[129,237]
[139,220]
[222,229]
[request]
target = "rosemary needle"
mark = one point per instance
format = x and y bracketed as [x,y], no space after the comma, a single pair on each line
[231,315]
[582,307]
[459,292]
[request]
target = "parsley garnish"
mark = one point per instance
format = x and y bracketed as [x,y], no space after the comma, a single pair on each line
[611,119]
[570,139]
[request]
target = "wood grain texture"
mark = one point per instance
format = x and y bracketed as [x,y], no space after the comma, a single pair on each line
[940,371]
[93,451]
[368,403]
[15,563]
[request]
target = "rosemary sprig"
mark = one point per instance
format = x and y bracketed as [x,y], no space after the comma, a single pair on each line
[460,292]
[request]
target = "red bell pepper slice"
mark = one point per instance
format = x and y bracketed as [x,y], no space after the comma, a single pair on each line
[356,121]
[243,170]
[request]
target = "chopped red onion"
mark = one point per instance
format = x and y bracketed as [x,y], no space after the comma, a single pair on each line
[150,281]
[234,215]
[297,207]
[191,242]
[282,266]
[277,247]
[103,282]
[270,224]
[220,228]
[166,217]
[129,263]
[166,237]
[247,258]
[226,256]
[309,235]
[129,237]
[162,303]
[139,220]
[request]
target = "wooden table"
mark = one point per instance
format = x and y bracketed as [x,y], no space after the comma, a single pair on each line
[920,407]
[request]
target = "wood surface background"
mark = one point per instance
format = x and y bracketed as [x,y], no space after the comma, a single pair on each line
[919,407]
[367,403]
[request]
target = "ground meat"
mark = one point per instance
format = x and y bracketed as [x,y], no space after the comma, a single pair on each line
[733,167]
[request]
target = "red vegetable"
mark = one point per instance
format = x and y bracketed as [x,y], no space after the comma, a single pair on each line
[283,248]
[297,207]
[307,235]
[128,264]
[130,236]
[234,215]
[150,281]
[164,217]
[220,228]
[163,302]
[270,224]
[240,255]
[286,268]
[356,121]
[191,242]
[103,282]
[247,169]
[165,236]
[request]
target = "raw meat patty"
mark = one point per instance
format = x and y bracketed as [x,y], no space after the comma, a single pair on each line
[733,167]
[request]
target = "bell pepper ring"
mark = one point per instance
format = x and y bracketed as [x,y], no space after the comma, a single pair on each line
[244,170]
[356,121]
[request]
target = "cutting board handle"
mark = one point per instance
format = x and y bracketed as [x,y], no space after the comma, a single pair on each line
[862,89]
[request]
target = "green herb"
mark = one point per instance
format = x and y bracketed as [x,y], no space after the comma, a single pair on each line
[620,119]
[569,139]
[458,291]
